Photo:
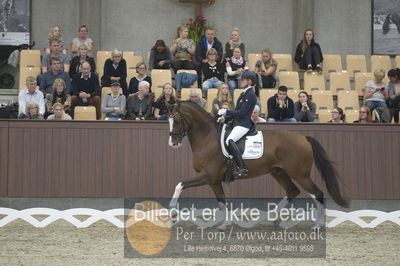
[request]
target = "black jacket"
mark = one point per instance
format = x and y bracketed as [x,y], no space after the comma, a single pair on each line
[76,62]
[274,111]
[299,53]
[110,71]
[201,49]
[244,108]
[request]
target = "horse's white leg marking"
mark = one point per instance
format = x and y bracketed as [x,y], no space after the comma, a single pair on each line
[171,123]
[226,220]
[320,212]
[175,197]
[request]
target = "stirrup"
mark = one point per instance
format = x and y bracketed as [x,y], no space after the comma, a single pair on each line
[240,173]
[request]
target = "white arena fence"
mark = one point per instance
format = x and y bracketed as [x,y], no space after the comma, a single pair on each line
[114,216]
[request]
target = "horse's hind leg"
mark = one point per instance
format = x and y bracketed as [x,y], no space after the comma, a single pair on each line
[220,195]
[308,185]
[191,182]
[285,181]
[290,188]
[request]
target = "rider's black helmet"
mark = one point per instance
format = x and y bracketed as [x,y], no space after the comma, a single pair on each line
[250,75]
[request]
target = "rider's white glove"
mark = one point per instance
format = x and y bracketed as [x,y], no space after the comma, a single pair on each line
[221,120]
[222,112]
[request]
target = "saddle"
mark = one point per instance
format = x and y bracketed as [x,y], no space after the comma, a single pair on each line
[251,146]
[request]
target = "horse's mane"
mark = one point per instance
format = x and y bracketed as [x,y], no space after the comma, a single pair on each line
[203,112]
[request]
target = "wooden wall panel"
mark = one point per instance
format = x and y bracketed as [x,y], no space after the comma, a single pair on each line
[132,159]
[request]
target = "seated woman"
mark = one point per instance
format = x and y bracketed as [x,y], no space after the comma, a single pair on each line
[77,61]
[223,96]
[31,111]
[308,53]
[183,49]
[375,92]
[160,107]
[58,96]
[235,67]
[266,68]
[113,104]
[304,108]
[234,42]
[213,72]
[59,113]
[160,56]
[141,75]
[55,33]
[337,116]
[139,105]
[115,70]
[82,39]
[394,93]
[365,116]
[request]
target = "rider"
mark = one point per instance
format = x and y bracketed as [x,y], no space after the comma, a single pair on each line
[241,118]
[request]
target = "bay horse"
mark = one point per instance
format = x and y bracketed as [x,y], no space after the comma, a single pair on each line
[287,156]
[395,18]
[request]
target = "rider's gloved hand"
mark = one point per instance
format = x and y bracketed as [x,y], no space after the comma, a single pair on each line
[221,119]
[222,112]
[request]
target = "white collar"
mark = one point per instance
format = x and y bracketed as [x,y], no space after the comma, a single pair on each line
[90,75]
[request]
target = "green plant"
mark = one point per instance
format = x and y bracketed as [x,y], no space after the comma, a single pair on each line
[197,28]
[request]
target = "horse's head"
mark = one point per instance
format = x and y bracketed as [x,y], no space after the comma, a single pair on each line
[178,125]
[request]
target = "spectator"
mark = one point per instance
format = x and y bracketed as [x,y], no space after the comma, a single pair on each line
[365,116]
[160,107]
[281,107]
[183,49]
[59,113]
[141,75]
[115,70]
[213,72]
[338,116]
[160,56]
[77,61]
[207,42]
[86,90]
[58,96]
[46,80]
[223,96]
[227,106]
[234,42]
[375,92]
[308,53]
[195,98]
[31,111]
[138,106]
[235,67]
[30,94]
[304,108]
[266,69]
[114,103]
[394,93]
[55,33]
[82,39]
[55,51]
[255,116]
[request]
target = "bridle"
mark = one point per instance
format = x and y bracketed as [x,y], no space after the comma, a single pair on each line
[182,131]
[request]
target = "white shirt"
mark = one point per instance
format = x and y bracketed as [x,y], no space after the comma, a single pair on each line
[209,45]
[24,97]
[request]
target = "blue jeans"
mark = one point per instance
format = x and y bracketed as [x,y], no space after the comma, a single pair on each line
[233,84]
[283,120]
[163,117]
[208,84]
[113,118]
[375,104]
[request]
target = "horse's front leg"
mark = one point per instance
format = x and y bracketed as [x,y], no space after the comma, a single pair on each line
[194,181]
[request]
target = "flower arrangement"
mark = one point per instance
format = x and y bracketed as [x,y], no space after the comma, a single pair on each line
[197,28]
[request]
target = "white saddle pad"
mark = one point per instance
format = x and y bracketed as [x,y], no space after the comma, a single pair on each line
[254,146]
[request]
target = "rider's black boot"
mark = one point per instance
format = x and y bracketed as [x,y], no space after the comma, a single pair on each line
[234,151]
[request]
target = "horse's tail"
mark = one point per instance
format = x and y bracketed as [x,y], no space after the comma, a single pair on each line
[327,171]
[386,24]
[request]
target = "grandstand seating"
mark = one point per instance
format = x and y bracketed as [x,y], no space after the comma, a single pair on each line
[332,63]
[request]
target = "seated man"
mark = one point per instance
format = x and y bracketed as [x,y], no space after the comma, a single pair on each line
[281,107]
[86,90]
[55,51]
[30,94]
[206,43]
[195,98]
[47,79]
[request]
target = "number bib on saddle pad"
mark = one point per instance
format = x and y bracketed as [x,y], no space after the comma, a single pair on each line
[250,145]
